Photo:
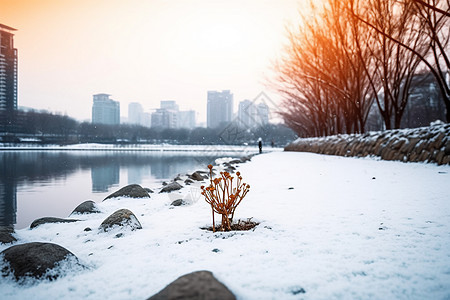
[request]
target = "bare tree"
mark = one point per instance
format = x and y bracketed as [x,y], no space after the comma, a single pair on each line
[322,75]
[432,17]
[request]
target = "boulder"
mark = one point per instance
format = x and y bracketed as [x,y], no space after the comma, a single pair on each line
[131,191]
[178,202]
[122,217]
[6,235]
[197,176]
[196,285]
[87,207]
[46,220]
[188,181]
[173,186]
[34,259]
[148,190]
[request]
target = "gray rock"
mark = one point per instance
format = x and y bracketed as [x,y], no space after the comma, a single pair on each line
[6,235]
[188,181]
[173,186]
[34,259]
[235,161]
[178,202]
[148,190]
[195,286]
[197,176]
[46,220]
[131,191]
[122,217]
[87,207]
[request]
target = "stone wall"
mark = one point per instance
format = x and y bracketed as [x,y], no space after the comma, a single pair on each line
[425,144]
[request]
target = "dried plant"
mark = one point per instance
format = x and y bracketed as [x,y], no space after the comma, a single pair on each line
[224,195]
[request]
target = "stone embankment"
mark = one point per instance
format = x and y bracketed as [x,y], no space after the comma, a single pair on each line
[426,144]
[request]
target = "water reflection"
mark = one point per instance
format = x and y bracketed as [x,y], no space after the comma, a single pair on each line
[41,173]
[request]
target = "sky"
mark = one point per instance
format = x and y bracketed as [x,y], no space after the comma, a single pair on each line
[145,50]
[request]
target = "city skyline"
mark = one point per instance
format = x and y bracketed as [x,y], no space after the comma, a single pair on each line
[159,50]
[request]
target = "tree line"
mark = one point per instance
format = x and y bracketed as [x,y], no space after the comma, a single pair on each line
[349,55]
[45,127]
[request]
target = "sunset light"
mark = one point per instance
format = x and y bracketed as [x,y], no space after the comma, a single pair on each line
[144,51]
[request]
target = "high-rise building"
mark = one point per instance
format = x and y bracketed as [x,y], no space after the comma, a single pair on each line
[263,113]
[166,116]
[169,105]
[135,112]
[186,119]
[8,73]
[219,108]
[247,114]
[105,110]
[252,115]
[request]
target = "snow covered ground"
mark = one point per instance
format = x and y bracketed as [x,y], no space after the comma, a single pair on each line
[330,228]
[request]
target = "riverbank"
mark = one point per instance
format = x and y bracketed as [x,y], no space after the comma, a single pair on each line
[329,228]
[426,144]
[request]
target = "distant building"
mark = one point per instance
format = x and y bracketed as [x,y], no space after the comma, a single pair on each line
[163,118]
[105,110]
[186,119]
[8,74]
[146,119]
[219,108]
[252,115]
[135,112]
[169,105]
[263,113]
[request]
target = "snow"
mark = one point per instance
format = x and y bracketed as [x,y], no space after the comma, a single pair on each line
[330,228]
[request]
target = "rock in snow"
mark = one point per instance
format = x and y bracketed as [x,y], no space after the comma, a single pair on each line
[34,259]
[178,202]
[131,191]
[87,207]
[122,217]
[196,285]
[197,176]
[46,220]
[173,186]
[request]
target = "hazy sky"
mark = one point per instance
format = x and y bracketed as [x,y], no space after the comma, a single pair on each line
[144,50]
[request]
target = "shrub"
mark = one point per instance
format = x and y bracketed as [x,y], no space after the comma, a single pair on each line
[224,195]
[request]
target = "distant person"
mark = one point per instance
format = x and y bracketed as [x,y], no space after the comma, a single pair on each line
[272,144]
[260,145]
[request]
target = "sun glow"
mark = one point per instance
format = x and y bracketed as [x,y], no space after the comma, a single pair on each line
[143,51]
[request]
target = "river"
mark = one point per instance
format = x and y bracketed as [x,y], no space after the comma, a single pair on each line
[43,183]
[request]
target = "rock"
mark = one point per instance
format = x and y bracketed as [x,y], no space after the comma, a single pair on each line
[173,186]
[34,259]
[122,217]
[177,178]
[131,191]
[188,181]
[197,176]
[196,285]
[178,202]
[6,235]
[148,190]
[234,161]
[87,207]
[46,220]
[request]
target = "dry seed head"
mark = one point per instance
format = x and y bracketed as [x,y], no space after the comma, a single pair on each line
[210,166]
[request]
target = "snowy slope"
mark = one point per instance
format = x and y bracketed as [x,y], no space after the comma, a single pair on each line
[330,228]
